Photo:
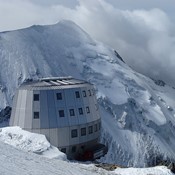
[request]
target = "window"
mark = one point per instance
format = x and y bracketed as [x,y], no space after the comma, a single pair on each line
[95,128]
[90,129]
[36,115]
[99,126]
[83,131]
[87,109]
[74,133]
[80,110]
[77,94]
[71,111]
[63,150]
[61,113]
[84,93]
[89,91]
[36,97]
[73,149]
[59,96]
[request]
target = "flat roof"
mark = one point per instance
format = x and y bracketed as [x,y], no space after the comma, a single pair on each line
[53,83]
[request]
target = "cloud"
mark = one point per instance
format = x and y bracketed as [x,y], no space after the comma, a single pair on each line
[144,37]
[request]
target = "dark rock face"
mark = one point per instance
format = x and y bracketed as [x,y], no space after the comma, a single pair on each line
[160,82]
[118,56]
[5,114]
[169,164]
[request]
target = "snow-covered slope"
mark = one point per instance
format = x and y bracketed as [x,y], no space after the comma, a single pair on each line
[137,115]
[30,142]
[14,162]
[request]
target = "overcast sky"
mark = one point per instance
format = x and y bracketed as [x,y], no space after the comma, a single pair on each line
[142,31]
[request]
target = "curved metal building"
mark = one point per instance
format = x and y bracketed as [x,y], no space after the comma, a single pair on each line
[65,110]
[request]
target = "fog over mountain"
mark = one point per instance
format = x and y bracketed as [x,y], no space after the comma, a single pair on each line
[141,31]
[138,113]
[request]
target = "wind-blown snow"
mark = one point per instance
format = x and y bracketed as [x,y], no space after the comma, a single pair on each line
[137,115]
[30,142]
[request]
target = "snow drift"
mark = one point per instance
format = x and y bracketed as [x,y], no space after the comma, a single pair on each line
[137,114]
[30,142]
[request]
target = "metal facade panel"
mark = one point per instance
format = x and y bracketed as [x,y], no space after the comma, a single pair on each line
[36,123]
[45,132]
[63,137]
[13,114]
[44,118]
[22,108]
[18,105]
[70,103]
[36,131]
[83,139]
[73,120]
[28,129]
[82,118]
[59,103]
[91,136]
[83,103]
[69,97]
[87,104]
[51,109]
[29,110]
[36,104]
[63,121]
[90,116]
[78,104]
[36,108]
[54,137]
[75,140]
[97,133]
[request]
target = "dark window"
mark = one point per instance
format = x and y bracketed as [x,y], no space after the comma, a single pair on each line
[71,111]
[80,111]
[90,129]
[63,150]
[74,133]
[73,149]
[36,97]
[83,131]
[89,91]
[84,93]
[95,128]
[87,109]
[77,94]
[99,126]
[82,147]
[36,115]
[59,96]
[61,113]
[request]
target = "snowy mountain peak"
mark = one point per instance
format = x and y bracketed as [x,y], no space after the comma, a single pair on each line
[138,125]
